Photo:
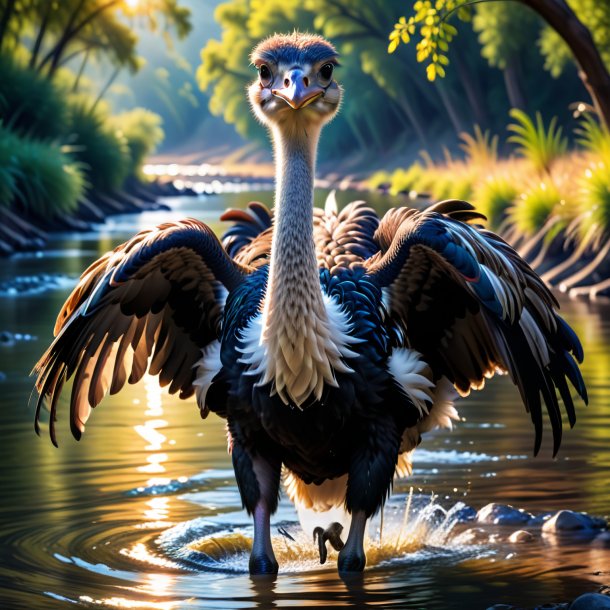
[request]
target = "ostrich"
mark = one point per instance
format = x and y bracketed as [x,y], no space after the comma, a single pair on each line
[329,341]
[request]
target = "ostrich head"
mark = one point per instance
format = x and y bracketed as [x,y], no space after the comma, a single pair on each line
[295,85]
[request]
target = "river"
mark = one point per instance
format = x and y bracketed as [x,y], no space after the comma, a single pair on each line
[144,512]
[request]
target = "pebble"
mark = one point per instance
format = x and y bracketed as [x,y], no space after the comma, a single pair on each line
[591,601]
[521,536]
[570,521]
[502,514]
[474,535]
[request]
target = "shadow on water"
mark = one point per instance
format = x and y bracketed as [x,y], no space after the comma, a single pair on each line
[145,512]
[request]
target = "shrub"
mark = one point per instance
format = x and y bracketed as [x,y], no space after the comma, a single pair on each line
[42,178]
[143,131]
[493,197]
[534,207]
[103,151]
[594,204]
[594,138]
[30,104]
[480,148]
[405,180]
[534,142]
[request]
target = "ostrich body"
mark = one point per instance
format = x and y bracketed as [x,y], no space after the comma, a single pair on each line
[329,342]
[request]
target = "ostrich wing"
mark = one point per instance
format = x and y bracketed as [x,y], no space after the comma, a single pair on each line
[467,301]
[248,241]
[161,294]
[347,237]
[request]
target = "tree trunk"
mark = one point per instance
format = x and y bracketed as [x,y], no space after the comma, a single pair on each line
[592,69]
[413,117]
[6,17]
[472,88]
[41,32]
[513,83]
[452,111]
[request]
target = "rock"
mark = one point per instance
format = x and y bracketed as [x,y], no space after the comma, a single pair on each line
[465,514]
[591,601]
[521,536]
[570,521]
[474,535]
[502,514]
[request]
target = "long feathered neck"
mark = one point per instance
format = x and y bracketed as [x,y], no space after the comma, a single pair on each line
[301,350]
[294,271]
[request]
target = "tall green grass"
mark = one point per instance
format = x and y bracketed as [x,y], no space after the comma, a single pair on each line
[494,197]
[38,177]
[535,206]
[540,145]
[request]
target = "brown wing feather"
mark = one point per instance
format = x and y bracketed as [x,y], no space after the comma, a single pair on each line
[158,319]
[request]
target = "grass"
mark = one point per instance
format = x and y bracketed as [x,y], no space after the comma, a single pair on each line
[38,177]
[535,206]
[541,146]
[594,204]
[480,148]
[494,196]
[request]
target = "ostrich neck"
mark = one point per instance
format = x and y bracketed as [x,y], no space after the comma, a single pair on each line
[300,352]
[294,281]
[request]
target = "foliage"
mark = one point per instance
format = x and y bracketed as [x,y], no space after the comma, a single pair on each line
[379,179]
[405,181]
[39,177]
[594,204]
[535,206]
[594,138]
[541,146]
[102,150]
[430,20]
[505,30]
[493,197]
[595,15]
[481,148]
[143,131]
[30,104]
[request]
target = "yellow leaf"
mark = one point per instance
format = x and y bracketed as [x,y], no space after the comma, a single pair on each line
[392,46]
[431,72]
[405,36]
[440,70]
[442,59]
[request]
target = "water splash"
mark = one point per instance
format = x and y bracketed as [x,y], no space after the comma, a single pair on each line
[412,528]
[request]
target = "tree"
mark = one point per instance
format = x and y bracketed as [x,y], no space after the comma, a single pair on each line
[430,21]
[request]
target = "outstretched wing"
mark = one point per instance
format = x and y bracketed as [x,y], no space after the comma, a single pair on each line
[472,306]
[160,294]
[346,237]
[248,241]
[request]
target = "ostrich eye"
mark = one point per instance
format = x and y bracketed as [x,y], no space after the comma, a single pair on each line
[265,75]
[326,72]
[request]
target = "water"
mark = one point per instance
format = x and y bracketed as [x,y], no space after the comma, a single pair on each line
[144,511]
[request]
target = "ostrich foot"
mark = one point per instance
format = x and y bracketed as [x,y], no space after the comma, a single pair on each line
[333,534]
[352,557]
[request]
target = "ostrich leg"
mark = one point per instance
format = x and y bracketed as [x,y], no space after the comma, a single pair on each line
[368,484]
[258,479]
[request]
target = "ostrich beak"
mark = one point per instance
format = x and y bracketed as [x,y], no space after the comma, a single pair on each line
[297,92]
